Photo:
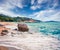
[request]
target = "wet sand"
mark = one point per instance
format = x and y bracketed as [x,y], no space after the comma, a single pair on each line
[3,48]
[7,48]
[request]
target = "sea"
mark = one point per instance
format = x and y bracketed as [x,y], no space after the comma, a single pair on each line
[46,28]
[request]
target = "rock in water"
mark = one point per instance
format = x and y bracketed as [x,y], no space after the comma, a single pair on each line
[1,25]
[23,27]
[4,32]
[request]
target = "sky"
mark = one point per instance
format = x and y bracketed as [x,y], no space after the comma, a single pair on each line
[44,10]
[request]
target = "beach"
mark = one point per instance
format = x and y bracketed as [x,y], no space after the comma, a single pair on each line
[27,41]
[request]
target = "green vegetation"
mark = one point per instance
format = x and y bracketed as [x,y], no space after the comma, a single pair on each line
[5,18]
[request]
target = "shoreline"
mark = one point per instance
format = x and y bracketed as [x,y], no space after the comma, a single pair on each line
[27,41]
[31,42]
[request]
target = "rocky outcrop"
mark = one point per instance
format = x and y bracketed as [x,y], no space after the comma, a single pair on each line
[23,27]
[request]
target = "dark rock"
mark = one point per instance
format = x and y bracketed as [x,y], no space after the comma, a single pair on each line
[4,32]
[15,29]
[1,25]
[23,27]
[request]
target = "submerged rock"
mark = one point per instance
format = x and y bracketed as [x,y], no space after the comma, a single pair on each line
[23,28]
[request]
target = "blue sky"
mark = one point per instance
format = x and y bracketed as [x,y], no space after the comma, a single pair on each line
[44,10]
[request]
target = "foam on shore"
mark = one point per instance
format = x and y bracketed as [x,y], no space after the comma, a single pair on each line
[31,42]
[27,41]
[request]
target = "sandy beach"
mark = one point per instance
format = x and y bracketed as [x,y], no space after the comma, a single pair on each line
[27,41]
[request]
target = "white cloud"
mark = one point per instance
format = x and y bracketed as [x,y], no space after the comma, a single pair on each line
[32,2]
[12,3]
[55,4]
[36,4]
[7,12]
[47,15]
[55,17]
[17,3]
[35,7]
[49,4]
[7,5]
[40,1]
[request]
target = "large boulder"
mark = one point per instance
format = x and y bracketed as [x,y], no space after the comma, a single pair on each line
[23,27]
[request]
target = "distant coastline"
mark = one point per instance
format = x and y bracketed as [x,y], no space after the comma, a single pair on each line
[5,18]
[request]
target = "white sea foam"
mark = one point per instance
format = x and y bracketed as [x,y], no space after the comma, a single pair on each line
[26,41]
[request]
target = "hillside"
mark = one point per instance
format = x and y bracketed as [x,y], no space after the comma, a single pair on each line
[4,18]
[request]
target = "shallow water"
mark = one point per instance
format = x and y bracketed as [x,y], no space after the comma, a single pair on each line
[47,28]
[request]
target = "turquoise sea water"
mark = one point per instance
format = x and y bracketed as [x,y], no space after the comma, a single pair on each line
[47,28]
